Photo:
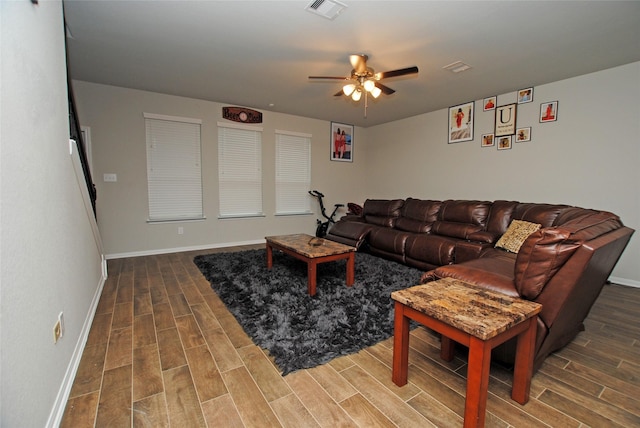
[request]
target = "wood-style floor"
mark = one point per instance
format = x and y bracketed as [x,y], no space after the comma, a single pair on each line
[164,351]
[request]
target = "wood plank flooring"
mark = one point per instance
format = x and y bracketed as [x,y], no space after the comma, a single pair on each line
[163,351]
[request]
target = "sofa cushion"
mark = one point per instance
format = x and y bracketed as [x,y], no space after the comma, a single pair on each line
[460,219]
[492,273]
[544,214]
[542,254]
[432,249]
[382,212]
[418,215]
[516,234]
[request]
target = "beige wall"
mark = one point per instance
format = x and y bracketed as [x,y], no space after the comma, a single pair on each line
[51,261]
[115,117]
[588,158]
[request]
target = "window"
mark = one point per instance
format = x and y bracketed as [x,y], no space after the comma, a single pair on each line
[240,170]
[293,172]
[174,173]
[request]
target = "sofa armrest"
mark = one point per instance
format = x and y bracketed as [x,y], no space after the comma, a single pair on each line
[351,233]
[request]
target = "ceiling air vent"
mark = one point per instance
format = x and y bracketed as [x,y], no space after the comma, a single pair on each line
[326,8]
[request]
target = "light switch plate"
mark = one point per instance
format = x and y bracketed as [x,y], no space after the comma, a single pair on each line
[112,178]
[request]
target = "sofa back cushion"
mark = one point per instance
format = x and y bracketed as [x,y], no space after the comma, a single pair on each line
[542,254]
[546,250]
[382,212]
[460,219]
[543,214]
[418,215]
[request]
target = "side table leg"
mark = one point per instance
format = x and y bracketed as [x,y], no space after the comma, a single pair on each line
[311,277]
[351,269]
[523,369]
[477,382]
[447,348]
[269,257]
[400,367]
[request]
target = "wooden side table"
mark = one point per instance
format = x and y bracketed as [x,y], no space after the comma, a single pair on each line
[475,317]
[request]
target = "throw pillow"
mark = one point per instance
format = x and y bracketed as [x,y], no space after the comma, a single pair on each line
[517,232]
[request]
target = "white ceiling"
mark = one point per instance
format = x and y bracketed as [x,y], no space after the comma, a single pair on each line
[259,54]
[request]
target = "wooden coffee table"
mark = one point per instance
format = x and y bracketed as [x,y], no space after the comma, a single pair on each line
[313,251]
[475,317]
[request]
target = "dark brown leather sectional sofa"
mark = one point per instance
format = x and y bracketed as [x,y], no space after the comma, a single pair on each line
[562,266]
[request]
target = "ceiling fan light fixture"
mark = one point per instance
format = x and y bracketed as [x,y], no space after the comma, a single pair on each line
[348,89]
[369,85]
[375,92]
[357,94]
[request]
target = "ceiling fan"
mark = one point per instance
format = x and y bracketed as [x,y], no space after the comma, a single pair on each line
[364,80]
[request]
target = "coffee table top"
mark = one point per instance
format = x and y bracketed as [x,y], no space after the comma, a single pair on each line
[303,244]
[475,310]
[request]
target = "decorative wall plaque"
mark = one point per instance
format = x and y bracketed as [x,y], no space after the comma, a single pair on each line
[241,114]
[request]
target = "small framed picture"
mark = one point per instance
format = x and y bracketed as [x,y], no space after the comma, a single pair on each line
[488,140]
[489,104]
[461,123]
[549,111]
[525,95]
[504,143]
[341,143]
[505,122]
[523,134]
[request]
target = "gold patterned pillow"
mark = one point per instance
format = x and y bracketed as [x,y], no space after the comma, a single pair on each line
[516,234]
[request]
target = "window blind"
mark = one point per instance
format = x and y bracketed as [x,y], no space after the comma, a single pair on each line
[174,175]
[293,172]
[240,170]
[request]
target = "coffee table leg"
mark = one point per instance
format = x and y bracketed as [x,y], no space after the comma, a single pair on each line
[477,382]
[400,368]
[351,269]
[523,369]
[269,256]
[311,277]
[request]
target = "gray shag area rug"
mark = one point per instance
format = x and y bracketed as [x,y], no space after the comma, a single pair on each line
[300,331]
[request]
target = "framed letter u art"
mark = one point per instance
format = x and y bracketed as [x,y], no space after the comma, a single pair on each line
[461,123]
[505,120]
[341,145]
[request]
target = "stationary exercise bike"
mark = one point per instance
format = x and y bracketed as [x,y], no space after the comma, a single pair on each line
[323,227]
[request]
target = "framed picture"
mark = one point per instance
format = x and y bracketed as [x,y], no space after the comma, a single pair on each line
[523,134]
[504,143]
[488,140]
[489,104]
[525,95]
[341,145]
[549,111]
[461,123]
[505,120]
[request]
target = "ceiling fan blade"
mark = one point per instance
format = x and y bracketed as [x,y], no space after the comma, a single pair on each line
[359,62]
[396,73]
[329,77]
[385,89]
[339,93]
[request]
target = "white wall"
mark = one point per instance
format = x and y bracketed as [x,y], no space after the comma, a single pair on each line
[589,157]
[49,257]
[115,116]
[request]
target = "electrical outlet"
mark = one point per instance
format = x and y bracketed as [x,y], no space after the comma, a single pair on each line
[180,230]
[57,332]
[58,328]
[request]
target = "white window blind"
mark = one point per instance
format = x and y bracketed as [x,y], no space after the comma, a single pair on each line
[293,172]
[240,170]
[174,173]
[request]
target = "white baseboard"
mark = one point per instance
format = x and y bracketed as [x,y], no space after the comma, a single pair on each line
[182,249]
[624,281]
[55,417]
